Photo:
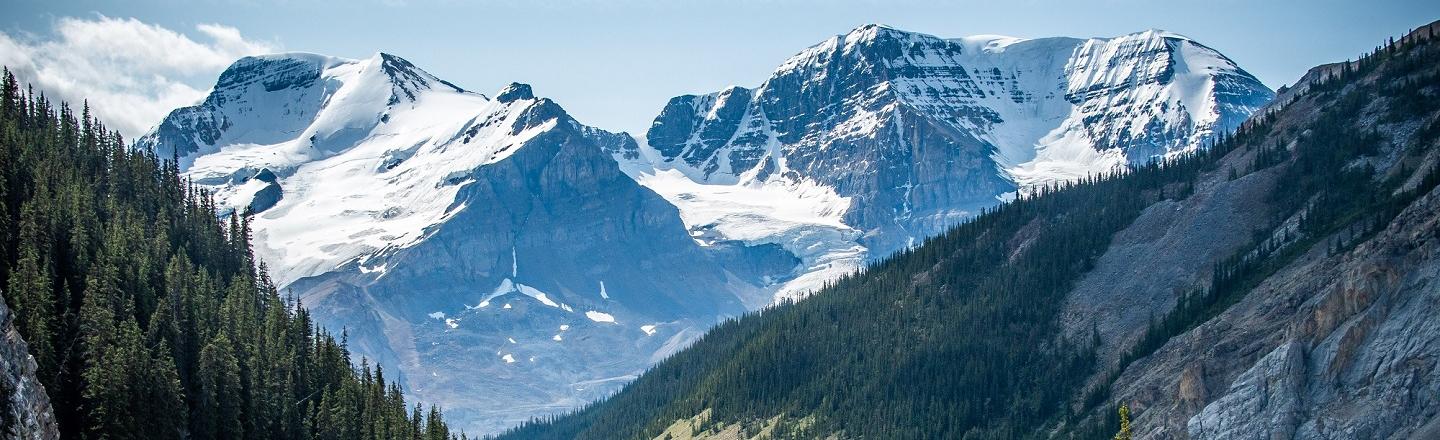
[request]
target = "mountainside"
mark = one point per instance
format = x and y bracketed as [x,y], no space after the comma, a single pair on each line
[890,136]
[490,249]
[1280,284]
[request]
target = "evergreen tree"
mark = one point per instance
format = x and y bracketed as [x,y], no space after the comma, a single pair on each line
[1124,433]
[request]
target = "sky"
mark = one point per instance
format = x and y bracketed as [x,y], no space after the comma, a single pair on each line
[611,63]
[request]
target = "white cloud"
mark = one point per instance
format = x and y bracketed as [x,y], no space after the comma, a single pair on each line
[132,72]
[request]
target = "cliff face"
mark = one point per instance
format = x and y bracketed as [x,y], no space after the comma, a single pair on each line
[1341,340]
[1340,346]
[28,407]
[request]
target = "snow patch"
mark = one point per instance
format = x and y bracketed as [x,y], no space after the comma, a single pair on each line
[600,316]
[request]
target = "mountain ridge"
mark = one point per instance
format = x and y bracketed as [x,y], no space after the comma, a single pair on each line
[916,132]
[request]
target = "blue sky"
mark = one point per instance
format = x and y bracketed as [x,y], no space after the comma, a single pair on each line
[613,64]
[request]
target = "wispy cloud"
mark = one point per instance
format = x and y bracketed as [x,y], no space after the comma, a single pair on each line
[132,72]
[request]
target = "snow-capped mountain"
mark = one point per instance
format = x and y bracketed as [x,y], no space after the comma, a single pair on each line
[875,139]
[490,249]
[512,262]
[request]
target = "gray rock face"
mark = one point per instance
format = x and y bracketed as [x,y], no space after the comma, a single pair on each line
[30,416]
[266,197]
[1359,346]
[1263,403]
[515,91]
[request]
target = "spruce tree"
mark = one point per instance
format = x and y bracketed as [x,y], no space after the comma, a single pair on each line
[1124,433]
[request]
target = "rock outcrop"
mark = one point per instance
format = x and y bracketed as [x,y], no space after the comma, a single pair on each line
[28,414]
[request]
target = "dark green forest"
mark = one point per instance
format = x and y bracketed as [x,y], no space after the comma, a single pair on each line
[146,312]
[957,338]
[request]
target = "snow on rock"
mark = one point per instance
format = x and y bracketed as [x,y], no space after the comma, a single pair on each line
[374,150]
[873,140]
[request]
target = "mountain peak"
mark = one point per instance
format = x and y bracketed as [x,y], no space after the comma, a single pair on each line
[1157,33]
[872,29]
[276,71]
[407,79]
[515,91]
[877,33]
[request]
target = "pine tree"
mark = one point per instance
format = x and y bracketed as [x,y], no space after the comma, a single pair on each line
[218,415]
[33,300]
[1124,433]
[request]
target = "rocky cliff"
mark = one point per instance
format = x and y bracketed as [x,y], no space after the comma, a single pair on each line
[1340,340]
[27,408]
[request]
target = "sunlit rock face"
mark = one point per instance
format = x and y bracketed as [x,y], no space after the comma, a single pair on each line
[915,133]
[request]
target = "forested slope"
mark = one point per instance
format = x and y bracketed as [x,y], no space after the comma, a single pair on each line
[146,314]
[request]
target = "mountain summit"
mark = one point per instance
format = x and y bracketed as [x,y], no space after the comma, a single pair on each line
[898,135]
